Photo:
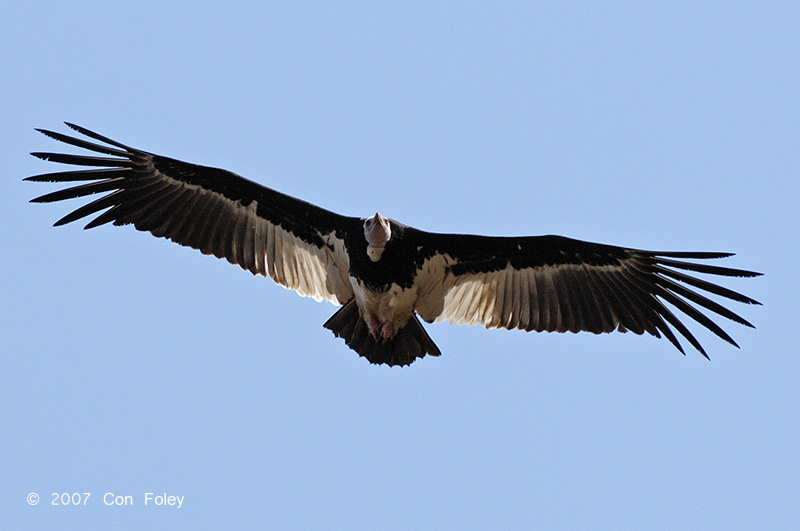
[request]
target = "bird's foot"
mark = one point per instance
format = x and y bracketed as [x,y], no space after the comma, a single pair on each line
[374,326]
[387,330]
[380,331]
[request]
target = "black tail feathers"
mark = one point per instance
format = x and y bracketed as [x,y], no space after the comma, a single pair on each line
[409,343]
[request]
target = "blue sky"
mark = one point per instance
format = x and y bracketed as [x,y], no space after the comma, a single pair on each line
[132,365]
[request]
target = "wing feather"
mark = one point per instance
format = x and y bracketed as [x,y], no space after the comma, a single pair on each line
[299,245]
[606,302]
[556,284]
[515,306]
[554,321]
[524,301]
[535,301]
[583,312]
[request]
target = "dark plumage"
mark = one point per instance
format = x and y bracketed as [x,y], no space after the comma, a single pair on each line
[385,274]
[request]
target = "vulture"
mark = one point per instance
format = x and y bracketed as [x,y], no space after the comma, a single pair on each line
[385,275]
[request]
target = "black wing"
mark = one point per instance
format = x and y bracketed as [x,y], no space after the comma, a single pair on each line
[557,284]
[297,244]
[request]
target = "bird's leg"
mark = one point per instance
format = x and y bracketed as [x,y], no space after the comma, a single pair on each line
[387,330]
[374,325]
[378,330]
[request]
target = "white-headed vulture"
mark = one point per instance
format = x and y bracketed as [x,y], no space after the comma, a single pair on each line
[386,274]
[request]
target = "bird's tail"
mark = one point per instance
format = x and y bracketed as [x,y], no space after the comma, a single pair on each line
[409,343]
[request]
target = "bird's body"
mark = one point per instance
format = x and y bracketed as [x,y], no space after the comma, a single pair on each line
[385,274]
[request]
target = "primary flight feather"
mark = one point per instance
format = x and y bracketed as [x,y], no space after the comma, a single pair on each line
[384,273]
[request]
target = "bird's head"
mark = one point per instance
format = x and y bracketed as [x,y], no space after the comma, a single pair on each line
[377,232]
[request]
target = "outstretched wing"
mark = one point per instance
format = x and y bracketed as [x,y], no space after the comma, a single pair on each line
[297,244]
[557,284]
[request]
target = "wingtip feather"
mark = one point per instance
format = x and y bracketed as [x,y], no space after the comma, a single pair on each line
[99,137]
[47,132]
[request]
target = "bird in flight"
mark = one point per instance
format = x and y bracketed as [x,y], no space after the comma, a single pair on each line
[385,274]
